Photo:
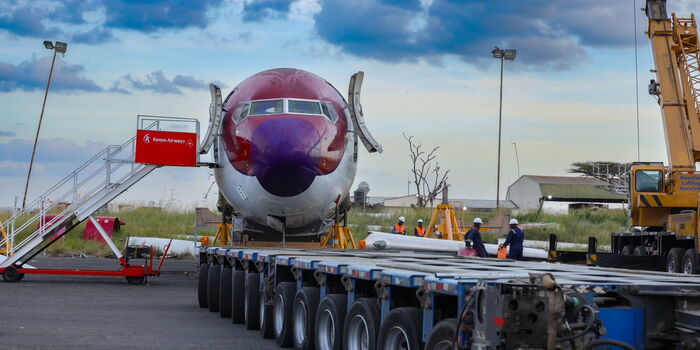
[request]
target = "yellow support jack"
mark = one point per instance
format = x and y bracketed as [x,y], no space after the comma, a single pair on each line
[7,250]
[448,227]
[340,237]
[224,234]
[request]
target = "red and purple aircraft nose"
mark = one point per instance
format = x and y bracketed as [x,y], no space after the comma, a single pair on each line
[285,152]
[283,127]
[286,155]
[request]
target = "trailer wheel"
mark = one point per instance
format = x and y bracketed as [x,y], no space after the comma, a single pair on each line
[135,280]
[690,262]
[202,285]
[639,251]
[304,316]
[238,297]
[627,250]
[213,287]
[225,292]
[442,335]
[252,301]
[362,325]
[284,300]
[330,318]
[674,260]
[11,274]
[401,330]
[266,316]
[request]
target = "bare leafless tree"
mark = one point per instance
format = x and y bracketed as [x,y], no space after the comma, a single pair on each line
[428,177]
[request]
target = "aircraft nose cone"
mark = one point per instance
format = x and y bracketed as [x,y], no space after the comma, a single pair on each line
[286,155]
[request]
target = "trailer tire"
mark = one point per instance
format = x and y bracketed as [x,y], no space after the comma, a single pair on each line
[252,301]
[213,287]
[225,292]
[238,296]
[674,260]
[135,280]
[627,250]
[639,251]
[266,316]
[202,285]
[11,274]
[304,318]
[401,329]
[330,318]
[282,307]
[442,335]
[362,325]
[690,262]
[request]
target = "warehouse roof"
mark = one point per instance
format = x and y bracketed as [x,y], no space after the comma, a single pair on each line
[576,188]
[565,180]
[579,192]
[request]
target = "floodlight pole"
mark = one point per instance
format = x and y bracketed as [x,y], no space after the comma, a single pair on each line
[500,114]
[507,54]
[36,137]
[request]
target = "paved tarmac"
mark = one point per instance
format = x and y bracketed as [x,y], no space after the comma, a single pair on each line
[80,312]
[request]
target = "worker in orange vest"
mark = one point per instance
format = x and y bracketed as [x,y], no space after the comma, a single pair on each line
[400,227]
[419,231]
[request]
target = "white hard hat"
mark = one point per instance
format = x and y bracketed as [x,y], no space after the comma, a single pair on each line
[478,221]
[402,219]
[513,222]
[420,220]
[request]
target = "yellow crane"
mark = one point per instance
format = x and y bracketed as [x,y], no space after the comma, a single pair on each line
[664,199]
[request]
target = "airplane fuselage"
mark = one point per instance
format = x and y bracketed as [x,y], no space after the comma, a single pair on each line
[287,149]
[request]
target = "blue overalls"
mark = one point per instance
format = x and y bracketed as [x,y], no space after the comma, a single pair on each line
[477,242]
[515,240]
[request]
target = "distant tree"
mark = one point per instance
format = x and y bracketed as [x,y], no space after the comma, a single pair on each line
[615,174]
[430,180]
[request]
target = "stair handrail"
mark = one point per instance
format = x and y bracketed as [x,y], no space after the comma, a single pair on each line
[43,204]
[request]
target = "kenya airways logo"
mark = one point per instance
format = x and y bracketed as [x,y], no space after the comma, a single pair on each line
[147,139]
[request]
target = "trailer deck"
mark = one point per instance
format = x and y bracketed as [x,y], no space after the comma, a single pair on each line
[642,309]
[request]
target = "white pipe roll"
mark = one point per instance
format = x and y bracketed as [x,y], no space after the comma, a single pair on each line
[381,240]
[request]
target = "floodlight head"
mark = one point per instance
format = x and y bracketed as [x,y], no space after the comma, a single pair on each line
[509,54]
[61,47]
[497,53]
[48,44]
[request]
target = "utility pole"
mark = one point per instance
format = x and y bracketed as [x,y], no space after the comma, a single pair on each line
[503,55]
[517,159]
[59,47]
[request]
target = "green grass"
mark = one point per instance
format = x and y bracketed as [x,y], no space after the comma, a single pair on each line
[141,222]
[153,222]
[361,220]
[577,226]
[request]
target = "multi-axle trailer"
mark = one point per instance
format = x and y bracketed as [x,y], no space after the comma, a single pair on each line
[362,299]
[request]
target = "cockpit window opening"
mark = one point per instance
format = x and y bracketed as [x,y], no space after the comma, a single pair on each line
[241,112]
[267,107]
[329,111]
[303,107]
[284,105]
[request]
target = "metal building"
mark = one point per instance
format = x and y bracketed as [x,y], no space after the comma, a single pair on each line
[559,194]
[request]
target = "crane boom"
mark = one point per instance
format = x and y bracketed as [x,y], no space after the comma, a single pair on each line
[675,46]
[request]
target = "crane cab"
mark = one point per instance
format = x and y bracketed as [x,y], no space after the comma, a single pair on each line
[664,200]
[647,183]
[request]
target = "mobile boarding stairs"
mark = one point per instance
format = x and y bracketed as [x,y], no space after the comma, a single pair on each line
[90,187]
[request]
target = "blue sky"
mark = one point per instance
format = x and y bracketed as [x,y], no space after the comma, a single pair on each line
[569,96]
